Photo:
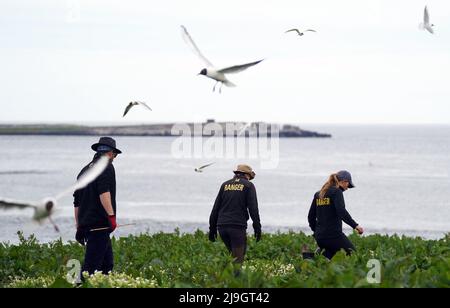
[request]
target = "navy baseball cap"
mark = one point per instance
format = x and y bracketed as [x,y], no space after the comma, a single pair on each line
[344,175]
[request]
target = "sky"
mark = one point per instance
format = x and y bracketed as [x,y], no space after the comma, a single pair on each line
[82,61]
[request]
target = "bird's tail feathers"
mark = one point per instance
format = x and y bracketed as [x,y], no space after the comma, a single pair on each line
[229,84]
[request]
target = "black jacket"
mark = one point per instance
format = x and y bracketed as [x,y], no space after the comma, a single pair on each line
[326,214]
[236,199]
[91,213]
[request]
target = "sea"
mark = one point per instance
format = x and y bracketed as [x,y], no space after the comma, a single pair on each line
[401,174]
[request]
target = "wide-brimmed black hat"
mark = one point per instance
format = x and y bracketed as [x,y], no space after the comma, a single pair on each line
[108,142]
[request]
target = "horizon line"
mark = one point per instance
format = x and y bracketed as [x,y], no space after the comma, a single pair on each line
[139,123]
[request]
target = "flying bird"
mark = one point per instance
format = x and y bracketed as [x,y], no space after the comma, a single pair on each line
[425,25]
[200,169]
[132,104]
[42,210]
[219,75]
[45,208]
[300,33]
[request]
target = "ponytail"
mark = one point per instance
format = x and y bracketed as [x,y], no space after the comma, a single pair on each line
[97,155]
[332,182]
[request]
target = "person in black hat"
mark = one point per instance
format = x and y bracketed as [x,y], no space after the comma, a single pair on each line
[327,213]
[236,199]
[95,211]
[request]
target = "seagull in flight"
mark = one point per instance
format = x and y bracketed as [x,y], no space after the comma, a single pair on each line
[425,25]
[219,75]
[300,33]
[45,208]
[132,104]
[200,169]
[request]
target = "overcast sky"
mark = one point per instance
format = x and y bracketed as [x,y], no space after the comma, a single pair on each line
[83,61]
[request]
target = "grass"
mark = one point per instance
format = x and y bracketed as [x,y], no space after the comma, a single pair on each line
[190,260]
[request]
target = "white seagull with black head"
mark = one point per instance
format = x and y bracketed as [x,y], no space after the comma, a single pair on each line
[132,104]
[300,33]
[45,208]
[426,25]
[200,169]
[219,75]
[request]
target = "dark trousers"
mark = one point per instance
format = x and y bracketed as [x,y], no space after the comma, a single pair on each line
[331,246]
[235,239]
[99,254]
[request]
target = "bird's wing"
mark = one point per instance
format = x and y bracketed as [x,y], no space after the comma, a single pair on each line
[293,30]
[188,39]
[429,29]
[237,68]
[87,177]
[205,166]
[7,204]
[310,30]
[129,106]
[145,105]
[426,16]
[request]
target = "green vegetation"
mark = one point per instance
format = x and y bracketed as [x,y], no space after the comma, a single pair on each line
[189,260]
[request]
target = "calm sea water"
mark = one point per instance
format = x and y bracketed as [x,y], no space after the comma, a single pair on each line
[401,174]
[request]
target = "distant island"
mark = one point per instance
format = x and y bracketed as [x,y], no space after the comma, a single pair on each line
[160,130]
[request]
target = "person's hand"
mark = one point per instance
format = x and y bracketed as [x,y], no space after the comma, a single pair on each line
[80,236]
[258,235]
[359,229]
[112,222]
[212,235]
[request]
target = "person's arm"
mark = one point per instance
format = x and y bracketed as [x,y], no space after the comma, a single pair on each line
[104,182]
[215,212]
[252,205]
[76,205]
[342,213]
[105,199]
[76,209]
[80,236]
[312,218]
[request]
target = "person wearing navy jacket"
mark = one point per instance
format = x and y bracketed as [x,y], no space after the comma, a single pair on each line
[236,202]
[327,212]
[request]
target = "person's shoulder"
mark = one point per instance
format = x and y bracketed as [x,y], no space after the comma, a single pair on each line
[81,172]
[108,172]
[334,191]
[243,181]
[84,170]
[248,183]
[316,195]
[110,168]
[111,171]
[227,182]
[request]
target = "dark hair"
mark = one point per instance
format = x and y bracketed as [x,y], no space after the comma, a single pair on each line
[97,156]
[240,174]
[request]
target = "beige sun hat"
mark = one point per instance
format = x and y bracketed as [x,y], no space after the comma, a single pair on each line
[246,169]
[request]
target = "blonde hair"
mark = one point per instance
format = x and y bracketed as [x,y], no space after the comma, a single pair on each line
[332,181]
